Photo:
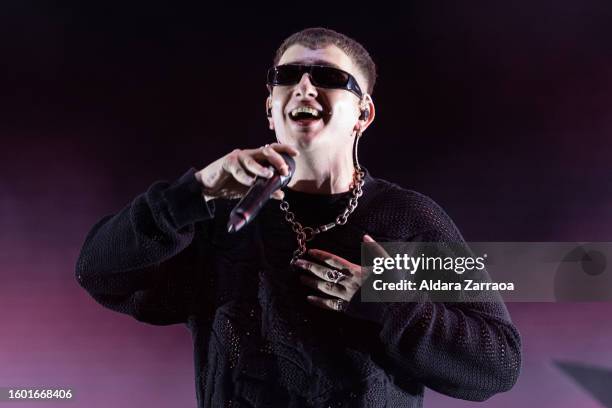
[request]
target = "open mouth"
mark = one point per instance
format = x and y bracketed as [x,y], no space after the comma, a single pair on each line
[305,115]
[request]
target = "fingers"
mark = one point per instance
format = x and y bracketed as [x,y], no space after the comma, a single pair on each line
[375,247]
[252,166]
[272,155]
[233,166]
[345,289]
[329,288]
[330,259]
[292,151]
[337,305]
[257,169]
[229,175]
[278,195]
[318,270]
[244,167]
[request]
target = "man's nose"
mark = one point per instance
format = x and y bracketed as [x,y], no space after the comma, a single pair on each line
[305,87]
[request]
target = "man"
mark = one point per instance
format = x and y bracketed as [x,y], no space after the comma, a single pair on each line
[275,308]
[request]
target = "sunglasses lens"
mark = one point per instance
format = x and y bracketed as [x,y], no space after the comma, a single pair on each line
[330,77]
[323,76]
[285,75]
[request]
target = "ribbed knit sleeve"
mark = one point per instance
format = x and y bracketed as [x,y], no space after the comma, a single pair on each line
[465,350]
[143,260]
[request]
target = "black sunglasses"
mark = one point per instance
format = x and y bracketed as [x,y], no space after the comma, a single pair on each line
[320,75]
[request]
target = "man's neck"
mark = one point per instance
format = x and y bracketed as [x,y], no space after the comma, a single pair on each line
[317,175]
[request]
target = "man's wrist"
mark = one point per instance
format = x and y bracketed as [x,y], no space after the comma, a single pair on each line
[205,193]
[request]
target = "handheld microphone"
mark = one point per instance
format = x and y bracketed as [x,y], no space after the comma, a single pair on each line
[259,194]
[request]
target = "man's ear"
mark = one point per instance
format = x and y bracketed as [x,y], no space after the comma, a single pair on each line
[269,112]
[368,112]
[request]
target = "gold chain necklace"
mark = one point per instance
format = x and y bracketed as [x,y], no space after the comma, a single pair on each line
[305,234]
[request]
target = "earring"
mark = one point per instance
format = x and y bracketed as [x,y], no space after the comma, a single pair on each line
[268,105]
[365,114]
[363,106]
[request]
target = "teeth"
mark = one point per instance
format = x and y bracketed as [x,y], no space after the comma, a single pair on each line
[305,109]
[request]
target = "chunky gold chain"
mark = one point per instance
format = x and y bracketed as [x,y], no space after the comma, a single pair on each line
[305,234]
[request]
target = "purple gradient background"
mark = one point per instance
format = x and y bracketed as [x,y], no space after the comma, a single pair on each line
[499,112]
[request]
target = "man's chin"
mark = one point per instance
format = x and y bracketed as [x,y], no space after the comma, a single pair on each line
[306,135]
[308,139]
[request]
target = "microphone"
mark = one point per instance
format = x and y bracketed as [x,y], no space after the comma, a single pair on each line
[259,194]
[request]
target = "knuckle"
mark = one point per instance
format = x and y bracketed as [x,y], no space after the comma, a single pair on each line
[241,174]
[228,165]
[232,160]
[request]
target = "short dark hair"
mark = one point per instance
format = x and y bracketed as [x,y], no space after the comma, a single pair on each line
[319,37]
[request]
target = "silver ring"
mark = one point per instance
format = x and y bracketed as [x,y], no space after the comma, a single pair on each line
[265,146]
[340,305]
[340,277]
[332,275]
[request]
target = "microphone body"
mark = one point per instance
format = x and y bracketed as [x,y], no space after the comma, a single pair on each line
[259,194]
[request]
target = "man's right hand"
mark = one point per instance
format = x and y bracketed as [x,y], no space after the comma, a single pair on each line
[232,175]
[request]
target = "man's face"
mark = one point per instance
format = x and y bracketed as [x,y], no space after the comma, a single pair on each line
[339,108]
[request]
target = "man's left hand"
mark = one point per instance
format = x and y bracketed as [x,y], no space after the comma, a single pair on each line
[341,281]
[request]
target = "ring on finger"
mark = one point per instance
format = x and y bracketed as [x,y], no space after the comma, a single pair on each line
[340,305]
[340,277]
[332,275]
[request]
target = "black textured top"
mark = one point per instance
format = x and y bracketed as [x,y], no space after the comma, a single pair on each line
[167,258]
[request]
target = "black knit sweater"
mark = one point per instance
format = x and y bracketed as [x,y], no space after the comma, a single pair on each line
[167,258]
